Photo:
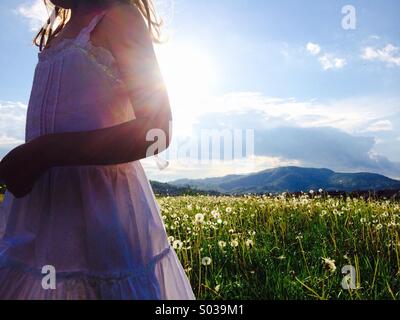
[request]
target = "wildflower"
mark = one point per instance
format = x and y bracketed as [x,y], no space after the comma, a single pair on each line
[206,261]
[363,220]
[219,221]
[215,214]
[178,244]
[392,224]
[222,244]
[321,190]
[312,192]
[171,239]
[234,243]
[217,288]
[249,243]
[228,210]
[329,264]
[199,218]
[379,226]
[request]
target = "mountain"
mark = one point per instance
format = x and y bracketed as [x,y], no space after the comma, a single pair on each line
[291,179]
[166,189]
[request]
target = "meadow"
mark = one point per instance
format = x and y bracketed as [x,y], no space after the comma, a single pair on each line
[286,247]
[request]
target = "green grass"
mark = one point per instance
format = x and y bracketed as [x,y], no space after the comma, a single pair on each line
[261,247]
[274,247]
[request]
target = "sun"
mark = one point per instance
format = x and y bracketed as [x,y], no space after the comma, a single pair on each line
[190,75]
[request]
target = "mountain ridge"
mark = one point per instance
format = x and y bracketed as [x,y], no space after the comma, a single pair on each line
[291,179]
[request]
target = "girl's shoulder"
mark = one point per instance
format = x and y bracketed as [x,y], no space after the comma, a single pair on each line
[123,23]
[120,23]
[120,16]
[122,20]
[123,9]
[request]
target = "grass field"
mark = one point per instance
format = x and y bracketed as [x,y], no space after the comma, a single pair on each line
[284,247]
[261,247]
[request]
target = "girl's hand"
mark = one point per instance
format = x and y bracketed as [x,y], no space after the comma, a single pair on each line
[21,167]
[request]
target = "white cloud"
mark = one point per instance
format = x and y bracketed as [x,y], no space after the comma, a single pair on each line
[382,125]
[313,48]
[35,12]
[9,141]
[374,37]
[12,125]
[328,62]
[390,54]
[352,115]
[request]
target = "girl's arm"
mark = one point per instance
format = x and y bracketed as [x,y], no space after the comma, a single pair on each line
[131,45]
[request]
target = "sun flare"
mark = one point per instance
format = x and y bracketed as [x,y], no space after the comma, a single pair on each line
[190,75]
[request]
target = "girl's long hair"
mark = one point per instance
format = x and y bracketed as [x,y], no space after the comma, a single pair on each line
[59,18]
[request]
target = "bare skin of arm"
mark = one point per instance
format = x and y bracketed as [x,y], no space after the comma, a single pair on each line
[133,49]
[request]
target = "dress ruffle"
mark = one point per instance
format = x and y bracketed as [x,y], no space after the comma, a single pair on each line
[21,282]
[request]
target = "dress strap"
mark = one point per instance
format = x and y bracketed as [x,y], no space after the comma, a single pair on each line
[84,36]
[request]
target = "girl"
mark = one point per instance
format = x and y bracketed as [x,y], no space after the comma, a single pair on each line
[79,205]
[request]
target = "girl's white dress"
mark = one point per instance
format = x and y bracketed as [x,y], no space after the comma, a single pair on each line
[99,226]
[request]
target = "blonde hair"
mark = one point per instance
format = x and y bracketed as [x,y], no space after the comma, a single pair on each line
[60,17]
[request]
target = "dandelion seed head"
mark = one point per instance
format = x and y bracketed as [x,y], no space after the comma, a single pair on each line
[329,264]
[234,243]
[206,261]
[177,244]
[222,244]
[249,243]
[199,218]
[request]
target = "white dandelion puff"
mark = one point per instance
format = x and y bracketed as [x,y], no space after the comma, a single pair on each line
[206,261]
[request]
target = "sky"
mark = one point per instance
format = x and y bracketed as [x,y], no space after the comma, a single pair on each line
[306,83]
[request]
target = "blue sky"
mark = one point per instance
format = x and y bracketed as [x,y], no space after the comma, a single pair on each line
[314,93]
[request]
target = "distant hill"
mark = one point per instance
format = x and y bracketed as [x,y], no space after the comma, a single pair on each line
[291,179]
[284,179]
[160,188]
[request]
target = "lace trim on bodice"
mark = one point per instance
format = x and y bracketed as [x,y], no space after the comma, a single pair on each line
[97,54]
